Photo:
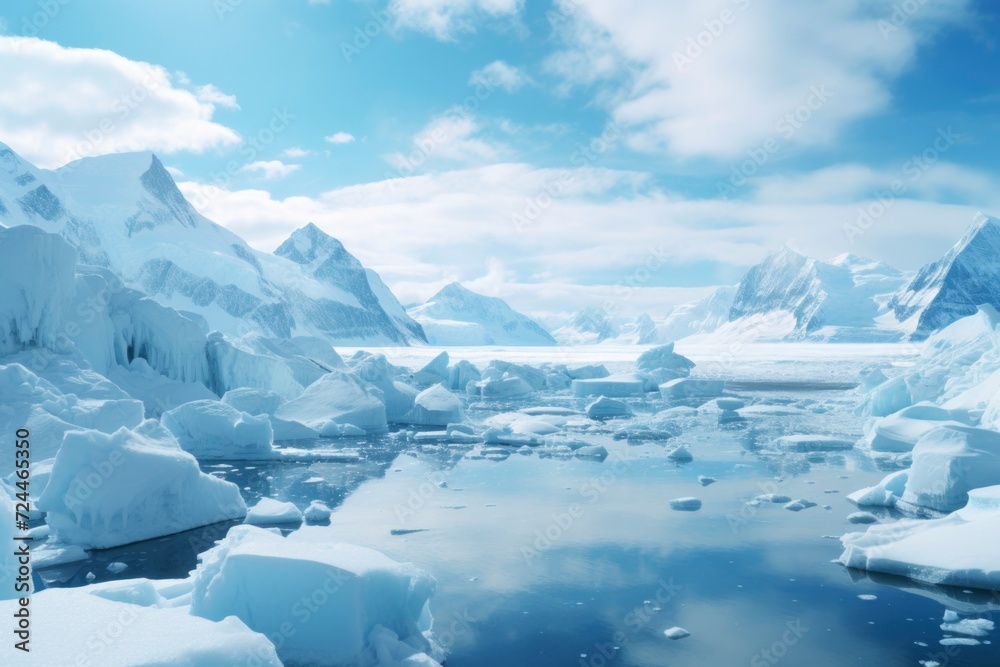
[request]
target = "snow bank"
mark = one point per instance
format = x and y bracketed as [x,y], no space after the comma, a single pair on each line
[338,398]
[216,430]
[435,406]
[263,579]
[948,463]
[77,627]
[109,490]
[957,550]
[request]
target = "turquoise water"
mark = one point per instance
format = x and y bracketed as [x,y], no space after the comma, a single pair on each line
[544,560]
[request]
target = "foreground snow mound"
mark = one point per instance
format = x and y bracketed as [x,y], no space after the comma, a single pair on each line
[349,592]
[76,627]
[947,464]
[337,398]
[215,430]
[435,406]
[957,550]
[109,490]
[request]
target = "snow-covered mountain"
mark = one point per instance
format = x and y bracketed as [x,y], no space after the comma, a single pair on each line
[589,326]
[697,317]
[952,287]
[459,316]
[125,213]
[789,296]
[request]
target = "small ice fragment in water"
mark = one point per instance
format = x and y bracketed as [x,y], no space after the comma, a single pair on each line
[773,498]
[799,505]
[117,568]
[317,512]
[862,517]
[676,633]
[868,597]
[959,641]
[974,627]
[685,504]
[679,454]
[705,481]
[91,576]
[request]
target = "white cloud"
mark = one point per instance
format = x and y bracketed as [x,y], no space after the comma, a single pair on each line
[585,233]
[212,95]
[445,19]
[295,152]
[339,138]
[271,169]
[453,137]
[60,104]
[715,78]
[500,74]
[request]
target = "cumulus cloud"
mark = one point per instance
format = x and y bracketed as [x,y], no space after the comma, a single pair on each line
[271,169]
[715,78]
[445,19]
[500,74]
[455,137]
[62,103]
[295,152]
[339,138]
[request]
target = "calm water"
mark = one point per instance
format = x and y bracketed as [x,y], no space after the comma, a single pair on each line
[548,561]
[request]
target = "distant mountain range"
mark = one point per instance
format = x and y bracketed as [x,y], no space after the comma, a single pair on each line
[791,297]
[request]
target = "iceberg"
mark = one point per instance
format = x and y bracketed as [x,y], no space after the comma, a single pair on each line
[435,406]
[337,398]
[692,388]
[268,512]
[956,550]
[628,384]
[335,597]
[109,490]
[216,430]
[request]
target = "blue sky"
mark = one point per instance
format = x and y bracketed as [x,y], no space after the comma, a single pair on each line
[557,154]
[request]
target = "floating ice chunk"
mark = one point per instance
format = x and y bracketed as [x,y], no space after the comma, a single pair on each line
[109,490]
[591,372]
[461,374]
[557,381]
[676,633]
[505,387]
[376,370]
[689,504]
[332,429]
[680,454]
[959,641]
[534,377]
[598,452]
[973,627]
[762,410]
[75,626]
[705,480]
[549,410]
[216,430]
[435,406]
[692,388]
[776,498]
[117,568]
[862,517]
[799,505]
[868,597]
[317,512]
[339,397]
[956,550]
[666,363]
[269,512]
[883,494]
[258,577]
[613,385]
[948,462]
[607,408]
[813,443]
[434,372]
[730,404]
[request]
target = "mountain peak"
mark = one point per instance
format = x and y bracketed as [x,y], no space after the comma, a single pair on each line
[309,244]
